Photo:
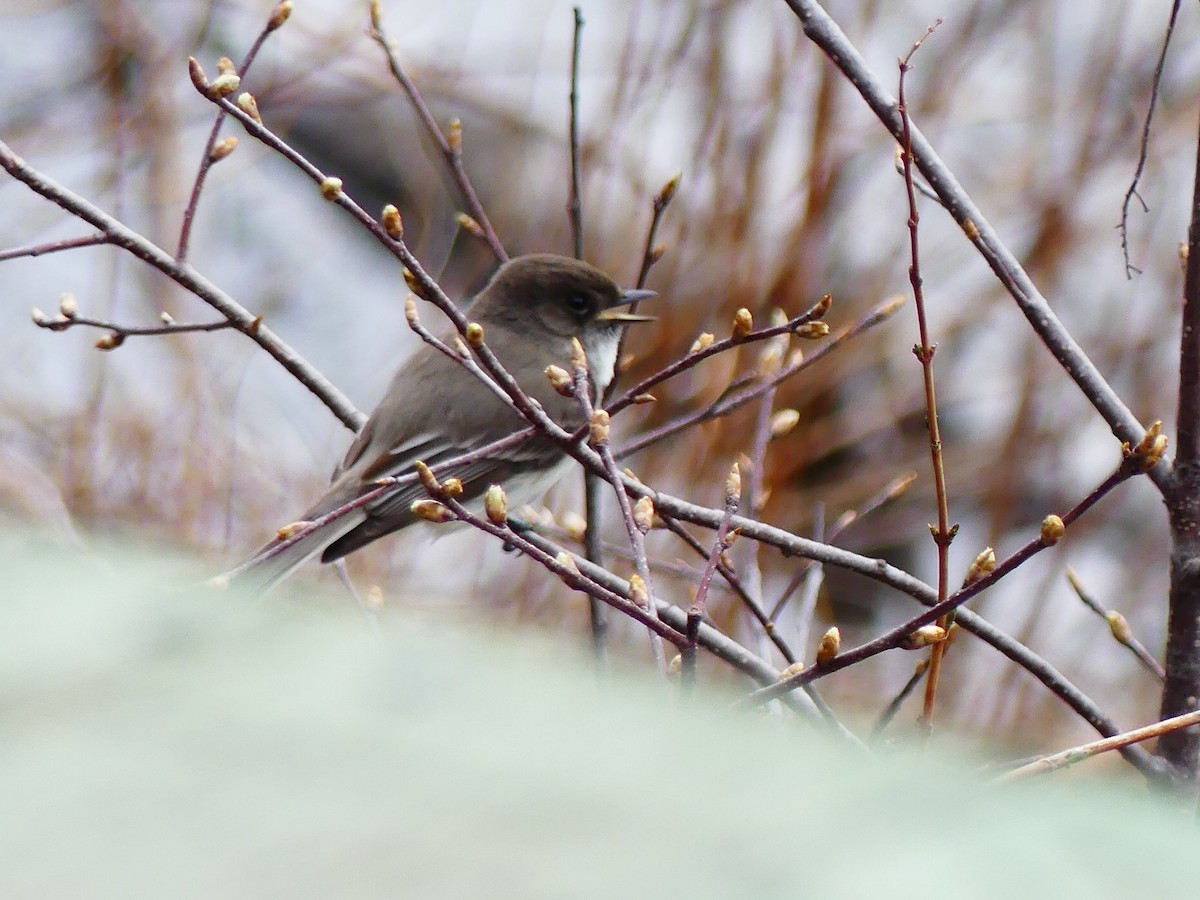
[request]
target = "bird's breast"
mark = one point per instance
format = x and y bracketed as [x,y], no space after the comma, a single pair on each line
[602,357]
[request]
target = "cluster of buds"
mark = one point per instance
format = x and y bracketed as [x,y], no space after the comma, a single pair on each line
[1150,449]
[68,309]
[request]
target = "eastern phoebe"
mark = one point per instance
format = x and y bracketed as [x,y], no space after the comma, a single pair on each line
[435,410]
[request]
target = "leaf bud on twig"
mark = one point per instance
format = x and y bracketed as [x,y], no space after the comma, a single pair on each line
[574,525]
[667,194]
[247,104]
[474,334]
[794,669]
[561,380]
[223,148]
[1151,447]
[280,14]
[982,565]
[415,284]
[110,341]
[199,79]
[599,428]
[578,356]
[924,636]
[812,330]
[733,484]
[393,224]
[1119,626]
[783,421]
[470,226]
[702,343]
[452,488]
[68,306]
[831,643]
[291,529]
[454,136]
[495,504]
[643,514]
[331,188]
[410,310]
[428,479]
[432,511]
[1052,530]
[567,561]
[743,324]
[638,592]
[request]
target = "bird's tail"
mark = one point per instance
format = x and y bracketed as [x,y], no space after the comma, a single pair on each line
[274,561]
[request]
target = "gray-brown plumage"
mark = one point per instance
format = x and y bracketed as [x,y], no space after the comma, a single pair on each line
[436,410]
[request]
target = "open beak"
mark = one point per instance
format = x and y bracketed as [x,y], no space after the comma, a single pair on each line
[615,314]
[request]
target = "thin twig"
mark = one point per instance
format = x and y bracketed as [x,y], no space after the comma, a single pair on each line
[737,399]
[569,573]
[944,533]
[278,16]
[1144,144]
[893,707]
[897,636]
[599,439]
[574,201]
[845,521]
[592,487]
[449,147]
[118,332]
[696,612]
[711,639]
[702,353]
[1078,754]
[1118,626]
[35,250]
[184,275]
[825,33]
[814,576]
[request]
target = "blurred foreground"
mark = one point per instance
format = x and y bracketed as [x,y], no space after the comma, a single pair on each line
[160,742]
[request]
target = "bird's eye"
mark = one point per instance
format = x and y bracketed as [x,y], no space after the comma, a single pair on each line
[580,306]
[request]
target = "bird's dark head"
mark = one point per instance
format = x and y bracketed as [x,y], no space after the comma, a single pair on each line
[561,295]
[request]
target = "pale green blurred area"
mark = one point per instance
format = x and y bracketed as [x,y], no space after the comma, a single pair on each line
[165,743]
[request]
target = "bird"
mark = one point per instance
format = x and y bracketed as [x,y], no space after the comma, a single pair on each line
[436,410]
